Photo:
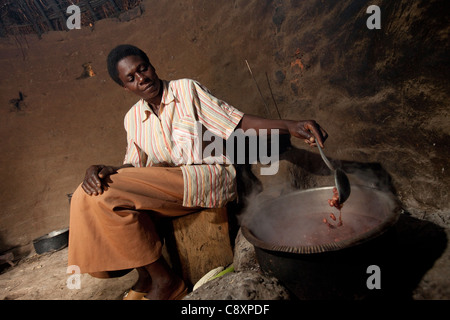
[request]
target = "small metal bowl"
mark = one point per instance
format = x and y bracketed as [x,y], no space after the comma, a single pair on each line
[53,241]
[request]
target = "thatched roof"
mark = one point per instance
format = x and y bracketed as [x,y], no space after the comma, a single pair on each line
[40,16]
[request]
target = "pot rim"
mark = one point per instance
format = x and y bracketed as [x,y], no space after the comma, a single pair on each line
[51,235]
[330,246]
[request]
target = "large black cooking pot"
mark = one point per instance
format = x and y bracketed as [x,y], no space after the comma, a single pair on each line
[318,260]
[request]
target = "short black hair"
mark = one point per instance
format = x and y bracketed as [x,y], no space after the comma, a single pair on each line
[120,52]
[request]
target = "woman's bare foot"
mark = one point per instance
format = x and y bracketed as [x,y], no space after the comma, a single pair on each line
[165,284]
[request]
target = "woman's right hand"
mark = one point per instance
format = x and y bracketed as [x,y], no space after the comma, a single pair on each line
[95,179]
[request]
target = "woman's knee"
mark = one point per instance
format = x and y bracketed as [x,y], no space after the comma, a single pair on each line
[81,200]
[77,194]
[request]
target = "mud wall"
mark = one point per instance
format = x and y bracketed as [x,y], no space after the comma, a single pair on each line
[381,94]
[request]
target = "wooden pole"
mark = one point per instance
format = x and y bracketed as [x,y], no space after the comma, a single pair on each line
[44,15]
[29,15]
[113,3]
[59,12]
[88,5]
[3,30]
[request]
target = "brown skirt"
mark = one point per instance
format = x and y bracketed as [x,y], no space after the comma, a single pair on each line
[116,230]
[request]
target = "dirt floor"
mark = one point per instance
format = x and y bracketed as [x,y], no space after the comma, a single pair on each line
[419,255]
[44,277]
[381,94]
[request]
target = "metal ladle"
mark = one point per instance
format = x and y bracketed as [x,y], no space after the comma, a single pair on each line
[340,178]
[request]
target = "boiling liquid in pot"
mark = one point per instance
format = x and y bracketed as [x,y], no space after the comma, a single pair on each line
[296,220]
[317,233]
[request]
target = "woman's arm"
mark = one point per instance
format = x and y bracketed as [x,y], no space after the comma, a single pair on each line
[309,130]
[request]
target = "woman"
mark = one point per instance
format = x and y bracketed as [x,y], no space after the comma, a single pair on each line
[112,227]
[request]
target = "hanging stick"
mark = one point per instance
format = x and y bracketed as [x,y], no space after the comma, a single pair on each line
[259,90]
[273,99]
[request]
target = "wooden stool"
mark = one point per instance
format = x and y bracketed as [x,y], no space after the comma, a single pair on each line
[197,243]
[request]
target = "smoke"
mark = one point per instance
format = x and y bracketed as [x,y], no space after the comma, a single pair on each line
[372,175]
[295,219]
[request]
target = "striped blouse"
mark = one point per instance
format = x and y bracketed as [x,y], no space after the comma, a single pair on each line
[174,138]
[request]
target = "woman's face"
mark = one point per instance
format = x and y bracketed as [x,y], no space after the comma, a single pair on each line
[139,77]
